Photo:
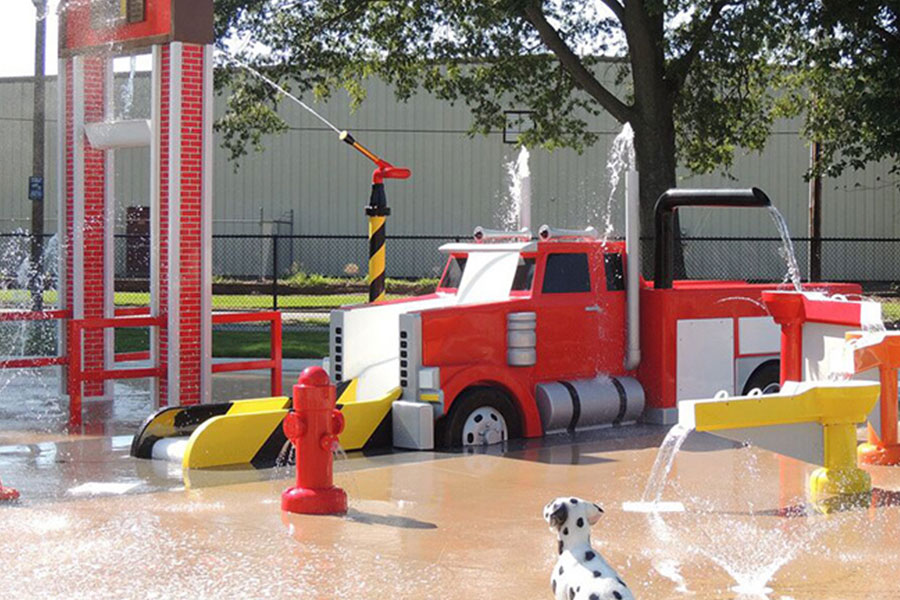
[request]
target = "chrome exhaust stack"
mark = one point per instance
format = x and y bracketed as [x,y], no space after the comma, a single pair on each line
[482,234]
[552,233]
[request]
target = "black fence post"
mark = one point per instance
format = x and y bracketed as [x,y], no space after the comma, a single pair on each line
[275,271]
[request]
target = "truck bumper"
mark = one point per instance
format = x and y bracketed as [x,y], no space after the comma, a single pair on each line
[413,425]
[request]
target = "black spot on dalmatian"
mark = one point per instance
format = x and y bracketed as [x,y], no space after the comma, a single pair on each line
[571,593]
[598,508]
[561,570]
[573,500]
[622,583]
[598,574]
[553,585]
[617,595]
[565,531]
[589,555]
[580,522]
[593,597]
[560,546]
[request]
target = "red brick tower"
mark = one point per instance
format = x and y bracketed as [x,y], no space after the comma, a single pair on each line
[179,34]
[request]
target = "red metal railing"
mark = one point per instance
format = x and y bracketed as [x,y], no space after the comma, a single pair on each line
[134,317]
[77,375]
[52,315]
[273,363]
[41,361]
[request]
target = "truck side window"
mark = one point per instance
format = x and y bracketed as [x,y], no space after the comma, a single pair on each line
[615,274]
[567,274]
[524,275]
[454,272]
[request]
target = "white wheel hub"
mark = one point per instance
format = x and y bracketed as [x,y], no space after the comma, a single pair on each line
[484,426]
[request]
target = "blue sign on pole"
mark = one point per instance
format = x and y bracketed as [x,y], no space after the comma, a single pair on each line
[35,188]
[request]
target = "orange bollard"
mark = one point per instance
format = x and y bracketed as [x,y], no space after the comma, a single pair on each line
[881,449]
[313,427]
[7,494]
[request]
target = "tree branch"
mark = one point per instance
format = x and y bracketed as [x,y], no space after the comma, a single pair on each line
[616,8]
[572,63]
[679,68]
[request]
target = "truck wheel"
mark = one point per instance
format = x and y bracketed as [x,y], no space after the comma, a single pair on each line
[766,377]
[480,417]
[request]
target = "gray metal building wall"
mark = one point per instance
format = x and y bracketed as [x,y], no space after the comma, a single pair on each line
[458,181]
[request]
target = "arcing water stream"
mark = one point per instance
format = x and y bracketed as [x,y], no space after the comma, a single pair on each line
[278,88]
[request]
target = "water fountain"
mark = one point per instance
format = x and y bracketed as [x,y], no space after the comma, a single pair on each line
[517,215]
[621,159]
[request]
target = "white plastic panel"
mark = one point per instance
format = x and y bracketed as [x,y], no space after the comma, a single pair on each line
[758,335]
[413,425]
[803,441]
[705,358]
[488,277]
[824,350]
[371,347]
[111,135]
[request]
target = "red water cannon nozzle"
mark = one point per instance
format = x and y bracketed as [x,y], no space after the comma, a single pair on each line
[388,171]
[313,427]
[384,169]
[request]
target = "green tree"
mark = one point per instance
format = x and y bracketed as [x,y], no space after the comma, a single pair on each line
[848,81]
[697,74]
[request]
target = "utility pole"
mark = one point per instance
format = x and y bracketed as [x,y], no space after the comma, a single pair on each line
[815,213]
[36,181]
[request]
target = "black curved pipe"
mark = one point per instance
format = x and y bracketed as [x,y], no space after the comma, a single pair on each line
[671,200]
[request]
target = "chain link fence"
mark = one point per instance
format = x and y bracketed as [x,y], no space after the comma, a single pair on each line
[306,276]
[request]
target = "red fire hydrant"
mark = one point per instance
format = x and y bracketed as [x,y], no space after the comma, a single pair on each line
[7,493]
[313,428]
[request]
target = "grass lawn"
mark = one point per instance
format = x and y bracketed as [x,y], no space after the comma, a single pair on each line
[890,311]
[240,344]
[220,301]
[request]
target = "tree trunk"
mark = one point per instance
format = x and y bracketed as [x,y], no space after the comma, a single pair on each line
[654,144]
[652,120]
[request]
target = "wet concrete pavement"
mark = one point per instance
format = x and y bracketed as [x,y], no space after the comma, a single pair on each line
[94,522]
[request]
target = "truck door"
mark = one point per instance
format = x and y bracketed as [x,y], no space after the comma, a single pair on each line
[569,317]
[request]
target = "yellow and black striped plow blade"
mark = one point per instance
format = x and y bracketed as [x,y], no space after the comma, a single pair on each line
[184,421]
[250,432]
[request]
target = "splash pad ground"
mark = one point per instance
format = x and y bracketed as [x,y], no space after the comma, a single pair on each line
[94,522]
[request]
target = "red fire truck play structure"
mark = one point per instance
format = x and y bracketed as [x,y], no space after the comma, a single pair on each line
[522,337]
[526,337]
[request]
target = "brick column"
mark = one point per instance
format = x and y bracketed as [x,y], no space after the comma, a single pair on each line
[85,205]
[184,284]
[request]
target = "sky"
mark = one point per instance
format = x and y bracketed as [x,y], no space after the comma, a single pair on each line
[17,40]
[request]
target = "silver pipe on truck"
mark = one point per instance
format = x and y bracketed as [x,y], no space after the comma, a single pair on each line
[633,270]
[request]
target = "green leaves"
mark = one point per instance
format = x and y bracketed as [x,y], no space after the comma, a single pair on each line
[851,69]
[716,72]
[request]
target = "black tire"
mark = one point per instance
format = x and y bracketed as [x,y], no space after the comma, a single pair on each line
[766,377]
[450,427]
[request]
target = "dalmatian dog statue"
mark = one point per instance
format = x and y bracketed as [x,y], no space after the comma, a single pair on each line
[580,573]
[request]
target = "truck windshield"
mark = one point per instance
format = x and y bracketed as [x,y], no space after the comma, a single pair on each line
[524,275]
[453,274]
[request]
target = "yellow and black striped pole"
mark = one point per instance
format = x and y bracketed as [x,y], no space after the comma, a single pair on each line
[377,212]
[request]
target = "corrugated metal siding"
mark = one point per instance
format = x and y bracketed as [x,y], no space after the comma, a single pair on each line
[458,182]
